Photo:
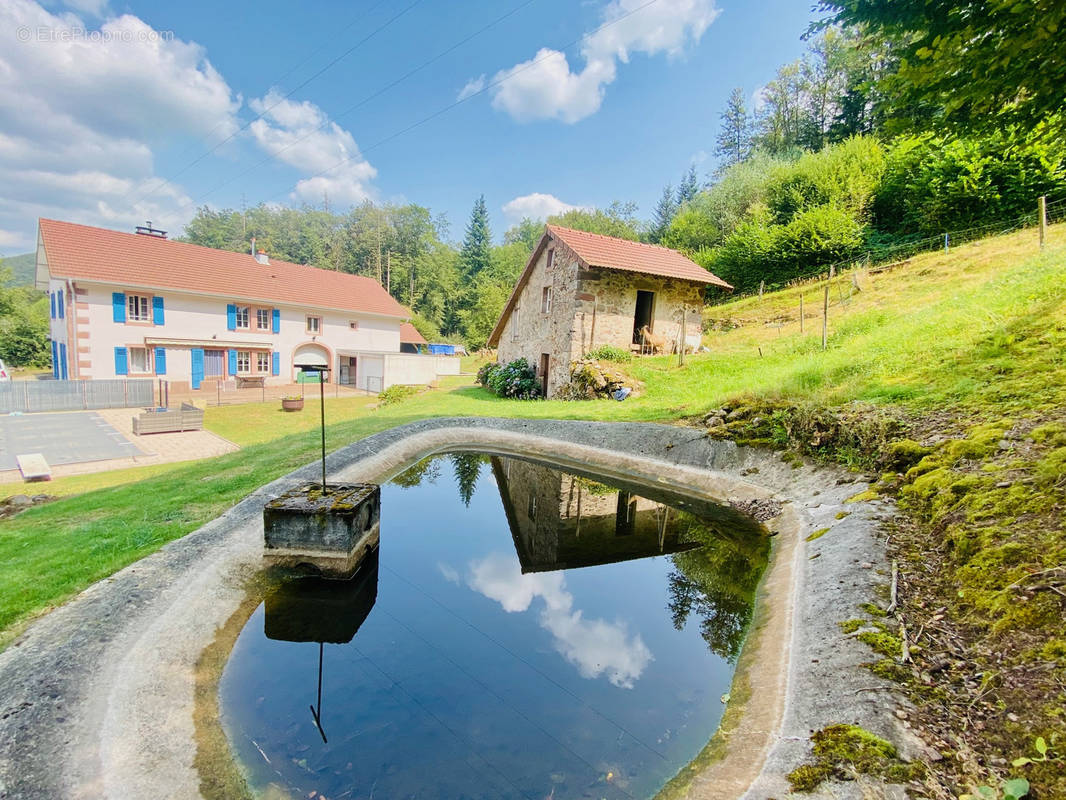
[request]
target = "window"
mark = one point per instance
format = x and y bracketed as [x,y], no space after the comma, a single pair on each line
[551,259]
[531,508]
[262,362]
[138,308]
[262,319]
[314,324]
[514,324]
[243,313]
[546,300]
[138,360]
[244,362]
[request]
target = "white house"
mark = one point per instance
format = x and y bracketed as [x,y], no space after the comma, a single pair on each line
[141,305]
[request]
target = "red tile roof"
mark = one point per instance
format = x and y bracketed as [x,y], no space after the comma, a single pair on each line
[608,252]
[81,252]
[409,334]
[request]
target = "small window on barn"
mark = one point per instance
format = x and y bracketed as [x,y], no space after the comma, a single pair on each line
[314,325]
[551,259]
[546,300]
[514,324]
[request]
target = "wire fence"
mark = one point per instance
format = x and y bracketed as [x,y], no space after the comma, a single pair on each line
[878,259]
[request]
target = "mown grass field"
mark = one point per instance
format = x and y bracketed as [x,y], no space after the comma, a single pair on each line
[968,346]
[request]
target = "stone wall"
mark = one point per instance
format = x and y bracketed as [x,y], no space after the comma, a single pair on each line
[608,301]
[590,308]
[537,332]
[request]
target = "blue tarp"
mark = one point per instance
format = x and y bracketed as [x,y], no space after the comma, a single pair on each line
[442,349]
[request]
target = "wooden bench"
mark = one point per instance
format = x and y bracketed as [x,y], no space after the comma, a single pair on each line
[169,420]
[251,382]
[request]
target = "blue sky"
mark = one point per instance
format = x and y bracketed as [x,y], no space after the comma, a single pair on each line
[109,112]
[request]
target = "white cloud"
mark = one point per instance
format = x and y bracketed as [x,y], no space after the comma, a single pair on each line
[757,101]
[547,87]
[535,206]
[450,573]
[94,8]
[81,110]
[472,87]
[596,647]
[301,135]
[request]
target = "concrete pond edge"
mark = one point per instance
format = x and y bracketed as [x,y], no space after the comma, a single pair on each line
[97,699]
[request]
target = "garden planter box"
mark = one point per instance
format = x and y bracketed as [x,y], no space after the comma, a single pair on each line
[296,404]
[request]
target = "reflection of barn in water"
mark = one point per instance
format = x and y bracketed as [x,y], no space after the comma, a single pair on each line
[562,521]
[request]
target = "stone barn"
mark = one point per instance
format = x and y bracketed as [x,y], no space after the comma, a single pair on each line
[580,291]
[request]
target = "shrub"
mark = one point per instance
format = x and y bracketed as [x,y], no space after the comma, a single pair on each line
[485,373]
[396,393]
[609,353]
[517,379]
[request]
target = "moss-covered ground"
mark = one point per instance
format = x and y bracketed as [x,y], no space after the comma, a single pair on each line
[944,379]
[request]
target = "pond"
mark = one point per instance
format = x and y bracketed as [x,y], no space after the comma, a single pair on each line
[521,632]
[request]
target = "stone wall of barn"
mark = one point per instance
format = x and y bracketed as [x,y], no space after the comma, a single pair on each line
[530,331]
[607,303]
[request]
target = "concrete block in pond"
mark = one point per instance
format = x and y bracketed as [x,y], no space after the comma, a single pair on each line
[327,533]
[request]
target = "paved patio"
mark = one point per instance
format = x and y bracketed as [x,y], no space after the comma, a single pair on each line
[83,442]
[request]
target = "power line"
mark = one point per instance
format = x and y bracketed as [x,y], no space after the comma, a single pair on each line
[450,106]
[285,97]
[272,156]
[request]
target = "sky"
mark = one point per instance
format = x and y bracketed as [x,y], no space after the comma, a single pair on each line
[115,113]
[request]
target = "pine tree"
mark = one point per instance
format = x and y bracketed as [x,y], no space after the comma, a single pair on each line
[689,186]
[664,213]
[476,254]
[733,144]
[467,470]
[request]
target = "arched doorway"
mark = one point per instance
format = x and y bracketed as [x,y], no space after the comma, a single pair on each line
[315,354]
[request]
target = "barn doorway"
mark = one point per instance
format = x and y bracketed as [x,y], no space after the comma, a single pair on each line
[644,314]
[545,359]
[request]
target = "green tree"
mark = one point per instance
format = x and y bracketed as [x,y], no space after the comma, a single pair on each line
[618,220]
[475,256]
[527,232]
[689,186]
[664,213]
[733,144]
[467,468]
[970,65]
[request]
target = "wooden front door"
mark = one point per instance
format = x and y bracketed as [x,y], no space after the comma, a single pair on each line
[545,360]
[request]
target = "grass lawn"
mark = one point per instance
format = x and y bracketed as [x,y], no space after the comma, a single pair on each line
[969,346]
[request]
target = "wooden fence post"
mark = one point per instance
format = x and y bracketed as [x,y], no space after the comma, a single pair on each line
[1042,214]
[762,285]
[947,239]
[825,318]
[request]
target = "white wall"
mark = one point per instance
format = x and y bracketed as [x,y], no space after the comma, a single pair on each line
[411,369]
[188,316]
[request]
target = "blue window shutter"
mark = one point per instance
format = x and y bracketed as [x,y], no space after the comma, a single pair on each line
[59,304]
[157,310]
[121,362]
[55,361]
[118,306]
[231,317]
[160,361]
[275,361]
[197,376]
[277,322]
[62,361]
[52,295]
[232,362]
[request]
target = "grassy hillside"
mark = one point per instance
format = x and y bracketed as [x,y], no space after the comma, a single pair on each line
[23,269]
[945,376]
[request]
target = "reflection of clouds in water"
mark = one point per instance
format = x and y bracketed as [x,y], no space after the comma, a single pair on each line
[595,646]
[450,573]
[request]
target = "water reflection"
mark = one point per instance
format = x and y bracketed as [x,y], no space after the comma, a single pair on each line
[533,634]
[311,609]
[596,647]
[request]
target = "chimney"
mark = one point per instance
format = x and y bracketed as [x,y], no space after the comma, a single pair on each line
[262,257]
[148,230]
[253,246]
